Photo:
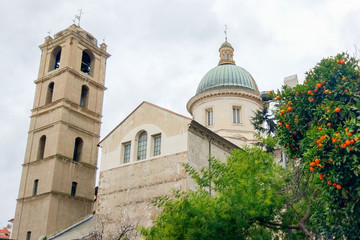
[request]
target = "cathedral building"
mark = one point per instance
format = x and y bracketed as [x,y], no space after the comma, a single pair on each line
[142,158]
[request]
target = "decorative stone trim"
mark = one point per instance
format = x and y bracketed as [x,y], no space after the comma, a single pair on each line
[72,106]
[53,192]
[63,158]
[214,138]
[243,93]
[86,78]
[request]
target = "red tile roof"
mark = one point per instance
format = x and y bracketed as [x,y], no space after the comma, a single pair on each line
[4,233]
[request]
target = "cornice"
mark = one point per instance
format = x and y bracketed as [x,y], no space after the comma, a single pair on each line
[62,194]
[243,93]
[85,77]
[62,158]
[73,107]
[214,138]
[63,35]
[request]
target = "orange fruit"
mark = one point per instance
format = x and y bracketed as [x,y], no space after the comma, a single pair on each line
[289,109]
[321,176]
[319,128]
[328,124]
[270,91]
[337,109]
[338,186]
[280,123]
[329,183]
[310,92]
[311,169]
[317,161]
[347,142]
[318,85]
[277,98]
[312,164]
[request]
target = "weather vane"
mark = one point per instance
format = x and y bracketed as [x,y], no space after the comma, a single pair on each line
[225,31]
[78,17]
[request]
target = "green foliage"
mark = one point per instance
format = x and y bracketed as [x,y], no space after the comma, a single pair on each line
[245,196]
[319,123]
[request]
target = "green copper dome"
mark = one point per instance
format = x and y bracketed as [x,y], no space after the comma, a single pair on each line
[227,76]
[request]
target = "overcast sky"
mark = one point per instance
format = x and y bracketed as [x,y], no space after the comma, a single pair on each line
[160,51]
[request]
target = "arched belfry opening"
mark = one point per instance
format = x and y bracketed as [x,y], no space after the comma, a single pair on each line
[84,96]
[55,58]
[78,149]
[49,93]
[41,147]
[87,62]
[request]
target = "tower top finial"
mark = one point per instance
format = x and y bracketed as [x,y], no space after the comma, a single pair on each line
[225,31]
[78,17]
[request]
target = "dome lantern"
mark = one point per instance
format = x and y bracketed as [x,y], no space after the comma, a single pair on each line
[226,53]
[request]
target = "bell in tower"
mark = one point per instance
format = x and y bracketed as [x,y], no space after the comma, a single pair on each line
[59,170]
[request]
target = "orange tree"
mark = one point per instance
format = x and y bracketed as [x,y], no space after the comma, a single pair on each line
[319,123]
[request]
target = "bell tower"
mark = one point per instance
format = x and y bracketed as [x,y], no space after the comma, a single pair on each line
[59,170]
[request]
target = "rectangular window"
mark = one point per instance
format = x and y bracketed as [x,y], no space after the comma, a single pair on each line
[236,115]
[127,148]
[73,189]
[157,145]
[209,117]
[36,183]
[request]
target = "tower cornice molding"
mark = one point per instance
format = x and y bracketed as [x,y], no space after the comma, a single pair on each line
[70,105]
[62,158]
[73,31]
[62,194]
[64,123]
[86,78]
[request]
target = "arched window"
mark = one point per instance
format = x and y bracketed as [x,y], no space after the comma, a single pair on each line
[87,63]
[36,183]
[73,188]
[28,235]
[41,148]
[77,149]
[142,143]
[55,58]
[84,96]
[49,94]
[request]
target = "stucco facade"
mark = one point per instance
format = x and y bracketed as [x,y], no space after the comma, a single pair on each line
[127,189]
